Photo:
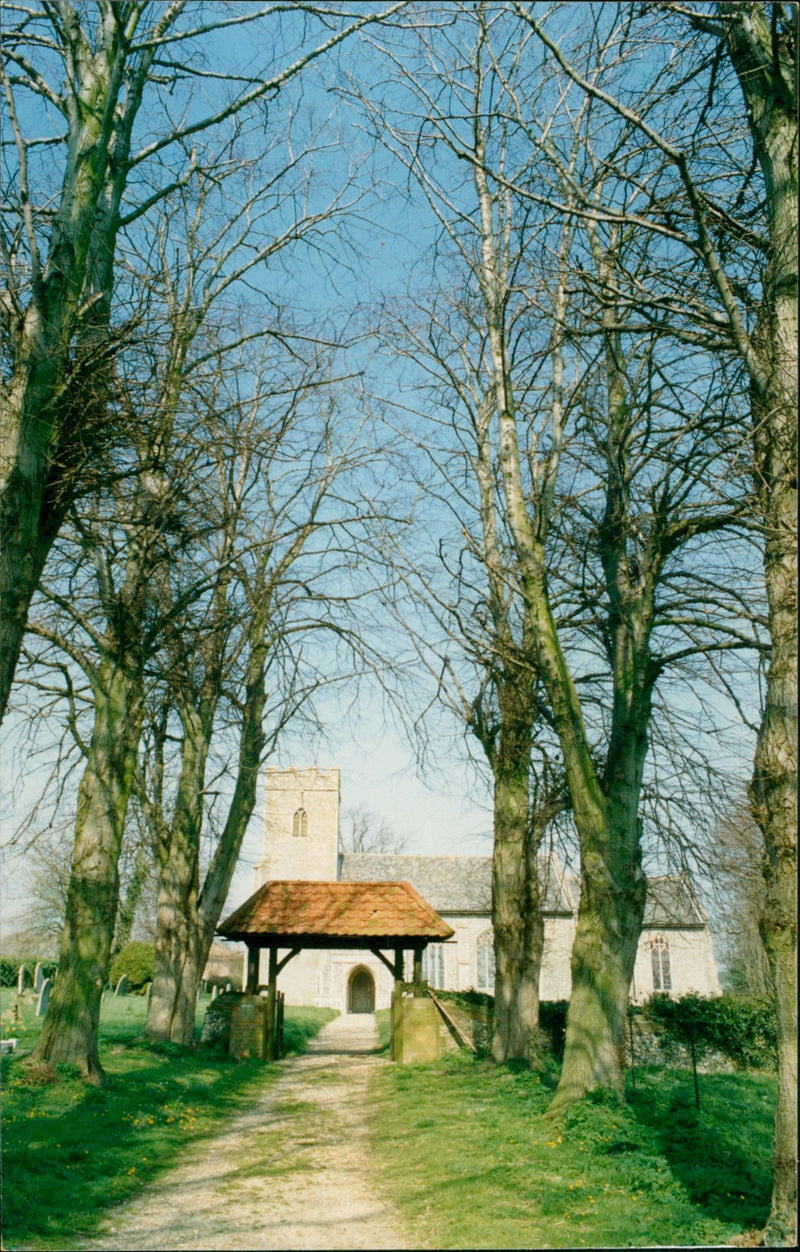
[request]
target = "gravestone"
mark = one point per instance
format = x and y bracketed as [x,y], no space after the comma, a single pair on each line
[44,997]
[214,993]
[22,979]
[122,986]
[148,991]
[38,977]
[227,986]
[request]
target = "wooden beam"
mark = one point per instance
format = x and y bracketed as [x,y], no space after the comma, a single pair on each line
[389,964]
[286,959]
[332,942]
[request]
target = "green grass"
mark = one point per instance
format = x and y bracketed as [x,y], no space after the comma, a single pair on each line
[71,1152]
[466,1153]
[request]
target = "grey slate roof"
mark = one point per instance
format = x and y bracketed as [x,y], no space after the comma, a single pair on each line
[670,902]
[450,884]
[463,884]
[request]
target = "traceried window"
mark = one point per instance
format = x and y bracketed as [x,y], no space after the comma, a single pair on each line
[486,961]
[659,953]
[300,823]
[433,966]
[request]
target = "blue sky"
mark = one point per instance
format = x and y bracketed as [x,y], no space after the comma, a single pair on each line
[389,237]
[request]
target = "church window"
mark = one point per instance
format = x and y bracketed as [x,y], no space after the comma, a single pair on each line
[659,952]
[485,981]
[433,966]
[300,823]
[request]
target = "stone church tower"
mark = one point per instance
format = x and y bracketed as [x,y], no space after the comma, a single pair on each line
[301,826]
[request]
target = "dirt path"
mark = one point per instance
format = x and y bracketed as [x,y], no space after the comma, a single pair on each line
[292,1172]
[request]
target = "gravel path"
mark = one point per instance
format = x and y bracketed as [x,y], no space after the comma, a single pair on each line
[292,1172]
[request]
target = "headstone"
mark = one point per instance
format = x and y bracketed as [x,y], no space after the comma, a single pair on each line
[22,979]
[214,993]
[38,977]
[44,997]
[149,993]
[122,986]
[227,986]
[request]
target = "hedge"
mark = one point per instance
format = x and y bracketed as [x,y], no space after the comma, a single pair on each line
[743,1028]
[9,968]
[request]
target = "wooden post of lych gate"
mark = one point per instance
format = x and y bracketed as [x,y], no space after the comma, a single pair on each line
[251,988]
[418,983]
[279,1025]
[396,1019]
[269,1053]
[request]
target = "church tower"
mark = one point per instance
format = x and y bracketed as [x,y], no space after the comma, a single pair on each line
[301,825]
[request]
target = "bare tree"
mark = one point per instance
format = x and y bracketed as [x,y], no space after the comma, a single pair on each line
[740,231]
[365,831]
[238,663]
[735,861]
[587,468]
[47,861]
[148,511]
[77,83]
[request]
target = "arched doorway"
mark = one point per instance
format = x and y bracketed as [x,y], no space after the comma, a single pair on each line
[361,991]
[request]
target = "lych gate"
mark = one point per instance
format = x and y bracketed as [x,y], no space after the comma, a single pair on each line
[384,918]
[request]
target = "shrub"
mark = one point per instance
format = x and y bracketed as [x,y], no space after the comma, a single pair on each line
[469,999]
[553,1021]
[742,1028]
[220,982]
[8,971]
[136,961]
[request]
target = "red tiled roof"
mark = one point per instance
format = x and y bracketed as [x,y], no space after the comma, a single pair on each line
[341,910]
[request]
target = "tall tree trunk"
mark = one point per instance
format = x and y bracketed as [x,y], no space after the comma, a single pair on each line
[69,1031]
[172,1001]
[517,918]
[181,951]
[613,890]
[774,785]
[187,919]
[765,60]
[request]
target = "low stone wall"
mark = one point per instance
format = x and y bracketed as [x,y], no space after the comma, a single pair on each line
[248,1037]
[416,1028]
[217,1023]
[475,1022]
[652,1047]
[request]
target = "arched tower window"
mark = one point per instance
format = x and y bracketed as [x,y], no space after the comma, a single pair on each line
[300,823]
[659,953]
[485,980]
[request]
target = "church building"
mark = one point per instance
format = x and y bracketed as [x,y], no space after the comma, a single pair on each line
[301,841]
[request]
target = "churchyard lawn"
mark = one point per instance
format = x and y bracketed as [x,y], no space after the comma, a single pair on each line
[462,1148]
[71,1152]
[468,1157]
